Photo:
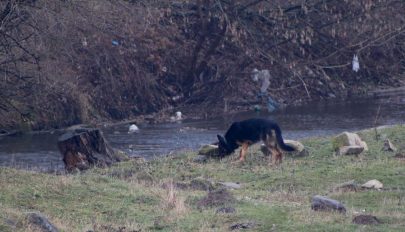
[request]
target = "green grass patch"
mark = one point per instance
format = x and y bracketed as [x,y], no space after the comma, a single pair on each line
[140,195]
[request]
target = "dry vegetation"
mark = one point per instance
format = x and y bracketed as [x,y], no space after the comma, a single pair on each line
[65,62]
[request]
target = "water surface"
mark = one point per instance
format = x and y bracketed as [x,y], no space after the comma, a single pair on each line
[39,151]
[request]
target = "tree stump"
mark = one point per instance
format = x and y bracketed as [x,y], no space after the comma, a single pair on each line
[83,148]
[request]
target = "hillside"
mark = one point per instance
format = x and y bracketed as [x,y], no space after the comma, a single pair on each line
[68,62]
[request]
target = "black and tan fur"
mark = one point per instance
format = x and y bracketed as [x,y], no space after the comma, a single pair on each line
[250,131]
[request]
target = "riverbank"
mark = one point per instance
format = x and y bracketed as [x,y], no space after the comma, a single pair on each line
[170,194]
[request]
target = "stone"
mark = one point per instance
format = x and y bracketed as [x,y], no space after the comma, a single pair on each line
[388,146]
[226,210]
[300,150]
[350,186]
[208,150]
[327,204]
[373,184]
[366,220]
[133,128]
[230,185]
[348,139]
[350,150]
[83,148]
[40,222]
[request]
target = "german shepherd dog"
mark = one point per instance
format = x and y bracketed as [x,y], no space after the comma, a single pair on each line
[250,131]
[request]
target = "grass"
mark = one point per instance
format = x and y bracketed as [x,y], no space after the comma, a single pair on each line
[131,194]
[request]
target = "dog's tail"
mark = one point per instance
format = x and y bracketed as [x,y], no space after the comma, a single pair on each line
[280,140]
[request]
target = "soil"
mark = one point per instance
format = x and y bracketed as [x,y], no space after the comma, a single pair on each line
[366,220]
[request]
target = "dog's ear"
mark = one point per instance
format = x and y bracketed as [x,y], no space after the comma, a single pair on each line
[221,140]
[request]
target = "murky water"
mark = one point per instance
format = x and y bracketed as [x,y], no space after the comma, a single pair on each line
[314,119]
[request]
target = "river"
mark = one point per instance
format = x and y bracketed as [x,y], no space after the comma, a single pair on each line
[39,150]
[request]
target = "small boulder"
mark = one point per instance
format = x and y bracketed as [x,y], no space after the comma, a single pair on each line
[388,146]
[133,128]
[366,220]
[209,150]
[230,185]
[350,150]
[40,222]
[326,204]
[373,184]
[300,150]
[348,139]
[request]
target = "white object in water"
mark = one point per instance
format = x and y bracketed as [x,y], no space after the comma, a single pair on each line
[178,115]
[355,63]
[133,128]
[263,76]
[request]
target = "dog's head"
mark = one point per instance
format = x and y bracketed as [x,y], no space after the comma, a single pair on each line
[223,146]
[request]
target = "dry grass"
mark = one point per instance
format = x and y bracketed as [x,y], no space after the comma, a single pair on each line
[144,195]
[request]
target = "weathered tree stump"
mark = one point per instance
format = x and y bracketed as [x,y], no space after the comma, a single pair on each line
[83,148]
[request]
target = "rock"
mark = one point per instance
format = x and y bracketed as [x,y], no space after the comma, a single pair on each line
[350,186]
[326,204]
[83,148]
[209,150]
[40,222]
[221,197]
[178,117]
[201,184]
[366,220]
[350,150]
[388,146]
[245,225]
[133,128]
[230,185]
[226,210]
[300,150]
[348,139]
[373,184]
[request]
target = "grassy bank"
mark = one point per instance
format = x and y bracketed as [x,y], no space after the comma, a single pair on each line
[157,195]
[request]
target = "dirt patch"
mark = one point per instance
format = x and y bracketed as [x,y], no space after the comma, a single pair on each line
[400,156]
[216,198]
[110,228]
[226,210]
[366,220]
[242,226]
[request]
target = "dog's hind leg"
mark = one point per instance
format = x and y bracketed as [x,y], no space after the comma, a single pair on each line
[279,156]
[243,151]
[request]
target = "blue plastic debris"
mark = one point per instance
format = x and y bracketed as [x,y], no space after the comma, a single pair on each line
[271,104]
[115,42]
